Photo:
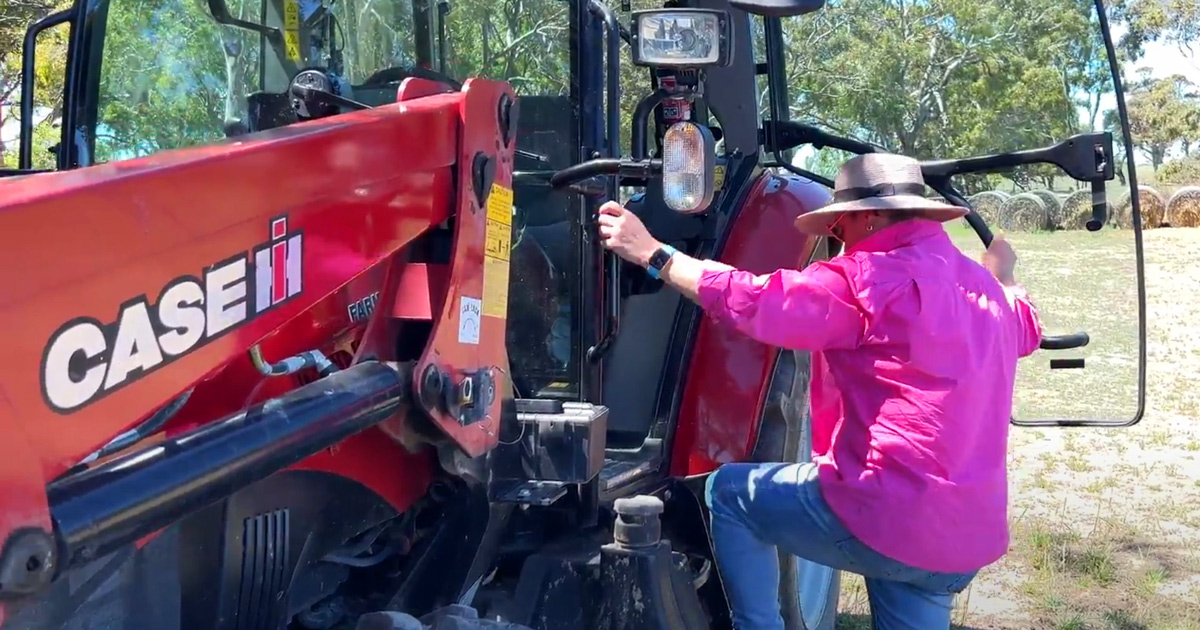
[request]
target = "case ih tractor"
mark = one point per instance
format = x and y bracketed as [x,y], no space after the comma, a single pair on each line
[365,358]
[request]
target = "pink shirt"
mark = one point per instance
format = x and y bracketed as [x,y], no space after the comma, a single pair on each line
[915,348]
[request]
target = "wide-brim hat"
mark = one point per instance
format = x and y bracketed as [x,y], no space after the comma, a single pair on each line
[877,182]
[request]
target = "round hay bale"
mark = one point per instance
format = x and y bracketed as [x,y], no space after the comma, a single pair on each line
[988,204]
[1024,213]
[1183,210]
[1152,203]
[1077,210]
[1054,208]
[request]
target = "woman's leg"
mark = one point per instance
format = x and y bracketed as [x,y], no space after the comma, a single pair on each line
[903,606]
[758,507]
[754,508]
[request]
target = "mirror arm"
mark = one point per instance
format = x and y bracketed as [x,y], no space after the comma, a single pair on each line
[639,169]
[791,134]
[220,14]
[1085,157]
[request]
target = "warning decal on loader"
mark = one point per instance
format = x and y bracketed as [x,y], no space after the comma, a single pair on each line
[291,29]
[87,359]
[497,251]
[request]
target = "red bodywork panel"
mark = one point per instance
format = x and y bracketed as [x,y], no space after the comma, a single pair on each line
[287,239]
[726,385]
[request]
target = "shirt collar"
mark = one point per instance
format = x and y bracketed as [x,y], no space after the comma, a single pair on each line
[898,235]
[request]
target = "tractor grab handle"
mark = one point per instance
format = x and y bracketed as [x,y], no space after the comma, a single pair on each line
[1065,342]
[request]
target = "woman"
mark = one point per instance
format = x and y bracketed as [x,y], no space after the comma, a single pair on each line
[915,349]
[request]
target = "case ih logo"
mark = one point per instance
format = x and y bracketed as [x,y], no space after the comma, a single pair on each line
[87,359]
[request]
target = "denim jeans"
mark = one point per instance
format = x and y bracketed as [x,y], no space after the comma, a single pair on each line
[758,507]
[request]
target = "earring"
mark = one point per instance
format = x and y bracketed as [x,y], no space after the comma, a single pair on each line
[871,228]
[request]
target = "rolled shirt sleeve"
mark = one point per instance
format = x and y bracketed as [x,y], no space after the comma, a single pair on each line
[1029,326]
[812,309]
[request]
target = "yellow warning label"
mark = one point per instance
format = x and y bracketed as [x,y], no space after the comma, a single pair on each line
[291,14]
[498,242]
[497,251]
[718,177]
[499,205]
[495,287]
[291,44]
[291,29]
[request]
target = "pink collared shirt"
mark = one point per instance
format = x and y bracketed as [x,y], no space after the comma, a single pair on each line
[915,348]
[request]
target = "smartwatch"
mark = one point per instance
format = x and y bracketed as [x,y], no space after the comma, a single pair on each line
[659,259]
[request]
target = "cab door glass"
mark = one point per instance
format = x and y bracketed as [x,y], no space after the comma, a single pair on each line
[965,79]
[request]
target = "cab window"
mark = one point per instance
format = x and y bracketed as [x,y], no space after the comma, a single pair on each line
[170,76]
[181,74]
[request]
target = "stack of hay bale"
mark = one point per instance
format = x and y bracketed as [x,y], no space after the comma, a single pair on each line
[1025,212]
[988,205]
[1153,206]
[1077,210]
[1054,209]
[1183,210]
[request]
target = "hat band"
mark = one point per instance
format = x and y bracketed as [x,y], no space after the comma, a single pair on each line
[881,190]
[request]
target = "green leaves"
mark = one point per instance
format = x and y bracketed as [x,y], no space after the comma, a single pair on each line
[947,76]
[1163,112]
[923,77]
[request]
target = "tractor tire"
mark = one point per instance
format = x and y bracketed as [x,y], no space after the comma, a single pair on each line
[808,592]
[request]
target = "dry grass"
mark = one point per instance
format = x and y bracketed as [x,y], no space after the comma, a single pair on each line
[1105,522]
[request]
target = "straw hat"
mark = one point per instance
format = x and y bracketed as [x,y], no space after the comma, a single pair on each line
[877,181]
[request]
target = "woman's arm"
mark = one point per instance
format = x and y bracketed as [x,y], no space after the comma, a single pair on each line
[812,309]
[1001,260]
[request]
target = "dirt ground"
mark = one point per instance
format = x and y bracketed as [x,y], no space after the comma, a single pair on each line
[1105,521]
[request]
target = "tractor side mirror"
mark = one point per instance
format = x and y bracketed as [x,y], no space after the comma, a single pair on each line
[778,8]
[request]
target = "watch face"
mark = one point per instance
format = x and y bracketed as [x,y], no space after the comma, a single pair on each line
[659,259]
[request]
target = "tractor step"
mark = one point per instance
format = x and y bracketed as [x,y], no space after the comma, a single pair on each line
[553,446]
[453,617]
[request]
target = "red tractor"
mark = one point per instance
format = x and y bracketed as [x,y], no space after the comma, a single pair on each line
[366,354]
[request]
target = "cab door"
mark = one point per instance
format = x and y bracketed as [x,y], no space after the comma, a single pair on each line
[981,81]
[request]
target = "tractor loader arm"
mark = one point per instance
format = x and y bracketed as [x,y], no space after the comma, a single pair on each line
[202,270]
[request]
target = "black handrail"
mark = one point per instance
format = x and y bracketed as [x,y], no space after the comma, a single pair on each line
[28,58]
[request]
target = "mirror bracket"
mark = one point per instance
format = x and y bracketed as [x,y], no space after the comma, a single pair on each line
[220,13]
[1086,157]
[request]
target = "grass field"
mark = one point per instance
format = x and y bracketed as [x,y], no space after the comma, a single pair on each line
[1105,521]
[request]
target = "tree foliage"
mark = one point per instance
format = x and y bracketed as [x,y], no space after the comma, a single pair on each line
[1163,113]
[1185,171]
[1174,22]
[50,58]
[949,77]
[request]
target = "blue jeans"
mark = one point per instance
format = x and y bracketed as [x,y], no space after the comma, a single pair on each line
[758,507]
